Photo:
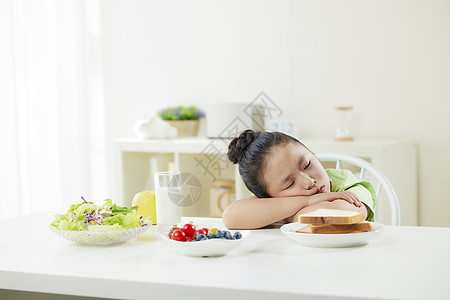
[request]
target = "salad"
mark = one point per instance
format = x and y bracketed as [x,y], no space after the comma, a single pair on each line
[89,216]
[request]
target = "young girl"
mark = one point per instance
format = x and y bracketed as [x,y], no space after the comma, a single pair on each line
[287,179]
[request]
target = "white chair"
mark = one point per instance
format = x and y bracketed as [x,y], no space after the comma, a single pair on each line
[367,170]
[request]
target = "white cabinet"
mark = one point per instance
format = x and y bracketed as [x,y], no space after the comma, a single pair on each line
[396,159]
[206,159]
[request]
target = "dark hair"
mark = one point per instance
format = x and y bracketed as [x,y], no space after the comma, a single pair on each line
[249,150]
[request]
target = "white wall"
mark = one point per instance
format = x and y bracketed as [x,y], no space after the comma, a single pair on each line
[391,60]
[161,53]
[387,58]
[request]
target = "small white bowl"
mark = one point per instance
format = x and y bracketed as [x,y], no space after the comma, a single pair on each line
[210,247]
[329,240]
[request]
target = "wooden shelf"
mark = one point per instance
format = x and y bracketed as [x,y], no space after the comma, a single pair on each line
[206,159]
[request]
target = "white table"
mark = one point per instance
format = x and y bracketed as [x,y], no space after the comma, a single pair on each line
[401,263]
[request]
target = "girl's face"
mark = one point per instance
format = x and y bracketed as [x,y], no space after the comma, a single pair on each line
[292,170]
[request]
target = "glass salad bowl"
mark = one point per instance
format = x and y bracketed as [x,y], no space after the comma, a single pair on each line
[87,223]
[100,237]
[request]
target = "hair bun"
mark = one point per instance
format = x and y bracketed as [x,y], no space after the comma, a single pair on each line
[238,146]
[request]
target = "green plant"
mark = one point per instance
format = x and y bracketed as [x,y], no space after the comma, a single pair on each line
[181,113]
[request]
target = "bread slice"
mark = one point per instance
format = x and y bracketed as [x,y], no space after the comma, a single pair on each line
[331,216]
[340,228]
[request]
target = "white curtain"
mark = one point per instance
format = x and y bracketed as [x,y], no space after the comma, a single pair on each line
[51,105]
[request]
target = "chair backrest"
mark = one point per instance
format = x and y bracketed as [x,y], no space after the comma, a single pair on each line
[368,170]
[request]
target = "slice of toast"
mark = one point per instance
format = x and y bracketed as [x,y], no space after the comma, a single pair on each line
[340,228]
[333,221]
[331,216]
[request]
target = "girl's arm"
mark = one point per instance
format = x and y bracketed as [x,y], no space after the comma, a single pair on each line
[252,213]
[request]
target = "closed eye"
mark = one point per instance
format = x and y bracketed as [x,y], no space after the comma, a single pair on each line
[308,165]
[291,185]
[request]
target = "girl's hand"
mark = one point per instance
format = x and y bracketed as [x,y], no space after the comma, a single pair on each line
[345,195]
[350,198]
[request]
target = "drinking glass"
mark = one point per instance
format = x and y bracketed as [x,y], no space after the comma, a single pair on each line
[168,200]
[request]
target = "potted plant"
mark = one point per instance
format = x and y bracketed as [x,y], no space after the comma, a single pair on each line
[185,118]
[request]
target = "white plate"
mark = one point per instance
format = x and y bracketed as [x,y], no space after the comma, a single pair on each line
[100,237]
[329,240]
[211,247]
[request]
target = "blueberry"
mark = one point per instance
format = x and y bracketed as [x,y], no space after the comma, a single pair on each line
[228,235]
[203,238]
[199,237]
[219,234]
[211,236]
[237,235]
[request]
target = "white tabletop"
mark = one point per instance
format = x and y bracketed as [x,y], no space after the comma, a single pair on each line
[401,263]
